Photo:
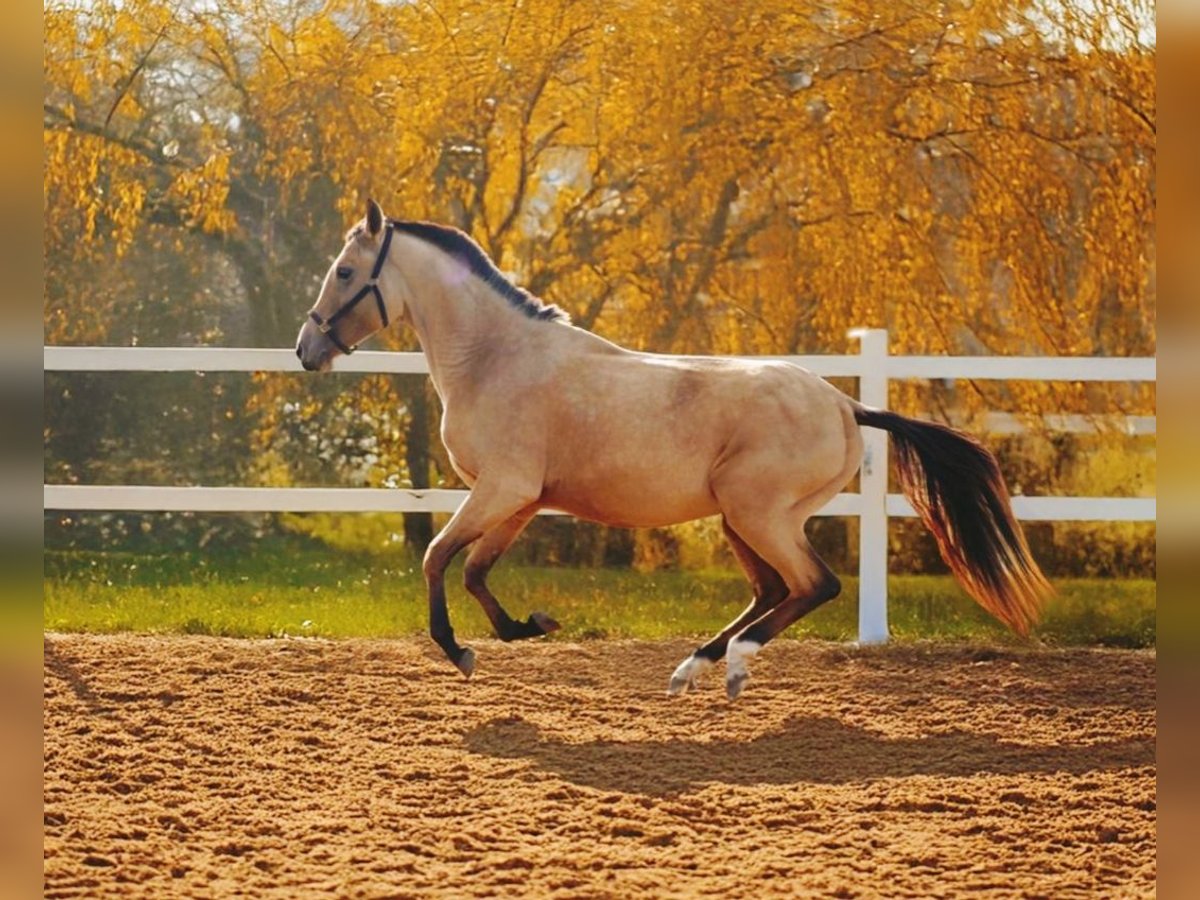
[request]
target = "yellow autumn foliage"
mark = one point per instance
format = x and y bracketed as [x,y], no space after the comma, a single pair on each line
[689,176]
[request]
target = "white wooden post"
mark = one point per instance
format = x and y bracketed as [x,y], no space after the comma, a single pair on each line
[873,485]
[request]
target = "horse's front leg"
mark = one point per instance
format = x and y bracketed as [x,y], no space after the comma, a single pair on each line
[489,504]
[482,556]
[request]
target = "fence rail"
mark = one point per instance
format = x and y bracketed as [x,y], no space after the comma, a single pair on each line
[155,498]
[873,505]
[251,359]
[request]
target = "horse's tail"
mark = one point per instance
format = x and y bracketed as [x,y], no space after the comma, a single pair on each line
[956,487]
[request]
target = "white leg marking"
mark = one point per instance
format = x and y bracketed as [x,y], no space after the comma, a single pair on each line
[685,676]
[737,655]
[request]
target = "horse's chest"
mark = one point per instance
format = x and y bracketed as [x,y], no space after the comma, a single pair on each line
[460,447]
[478,438]
[467,474]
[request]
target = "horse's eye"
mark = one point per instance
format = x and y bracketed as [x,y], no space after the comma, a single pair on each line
[344,273]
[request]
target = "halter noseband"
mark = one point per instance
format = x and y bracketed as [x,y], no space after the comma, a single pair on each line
[371,287]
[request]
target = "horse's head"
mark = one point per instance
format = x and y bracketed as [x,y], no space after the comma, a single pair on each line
[351,306]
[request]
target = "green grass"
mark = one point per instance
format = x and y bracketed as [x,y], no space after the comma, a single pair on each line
[280,587]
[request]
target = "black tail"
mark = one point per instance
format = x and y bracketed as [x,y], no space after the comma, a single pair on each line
[956,487]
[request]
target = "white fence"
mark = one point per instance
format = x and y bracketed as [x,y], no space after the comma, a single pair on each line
[873,366]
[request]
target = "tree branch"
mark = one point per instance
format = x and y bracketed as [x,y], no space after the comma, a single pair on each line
[137,70]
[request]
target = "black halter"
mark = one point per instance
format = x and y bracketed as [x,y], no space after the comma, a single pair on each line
[371,287]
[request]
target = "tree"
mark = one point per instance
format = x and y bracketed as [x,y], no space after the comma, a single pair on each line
[688,177]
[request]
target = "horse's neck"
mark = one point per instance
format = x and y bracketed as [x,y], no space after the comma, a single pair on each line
[462,329]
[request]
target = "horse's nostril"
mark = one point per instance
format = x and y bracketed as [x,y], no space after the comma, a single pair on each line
[299,352]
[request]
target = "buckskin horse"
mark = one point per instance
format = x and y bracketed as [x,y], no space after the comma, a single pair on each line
[539,414]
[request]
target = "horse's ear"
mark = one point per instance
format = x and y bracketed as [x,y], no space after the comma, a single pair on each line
[374,217]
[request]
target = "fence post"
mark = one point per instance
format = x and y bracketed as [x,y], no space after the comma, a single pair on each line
[873,485]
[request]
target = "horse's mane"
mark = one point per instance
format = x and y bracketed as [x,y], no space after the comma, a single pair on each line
[459,245]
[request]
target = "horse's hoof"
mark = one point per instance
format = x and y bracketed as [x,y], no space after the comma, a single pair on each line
[544,622]
[685,676]
[737,655]
[466,662]
[679,685]
[734,684]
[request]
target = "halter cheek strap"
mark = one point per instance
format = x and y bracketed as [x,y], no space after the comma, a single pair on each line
[326,326]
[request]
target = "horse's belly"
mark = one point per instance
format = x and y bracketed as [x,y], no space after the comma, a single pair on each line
[632,502]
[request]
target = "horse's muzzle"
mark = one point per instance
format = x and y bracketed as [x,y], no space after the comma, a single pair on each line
[314,349]
[309,365]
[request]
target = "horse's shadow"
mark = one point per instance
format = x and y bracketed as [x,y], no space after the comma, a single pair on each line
[804,750]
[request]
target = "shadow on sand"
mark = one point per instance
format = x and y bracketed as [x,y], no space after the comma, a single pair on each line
[804,750]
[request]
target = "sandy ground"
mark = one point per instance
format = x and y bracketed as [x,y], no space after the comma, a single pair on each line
[200,767]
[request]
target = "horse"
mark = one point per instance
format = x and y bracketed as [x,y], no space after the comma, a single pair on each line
[538,413]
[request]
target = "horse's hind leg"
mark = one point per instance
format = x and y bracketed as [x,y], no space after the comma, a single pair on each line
[775,531]
[778,537]
[816,585]
[483,555]
[769,589]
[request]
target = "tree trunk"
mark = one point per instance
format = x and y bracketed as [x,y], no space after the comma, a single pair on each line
[418,527]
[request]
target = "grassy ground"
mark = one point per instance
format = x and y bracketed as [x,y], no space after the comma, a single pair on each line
[277,587]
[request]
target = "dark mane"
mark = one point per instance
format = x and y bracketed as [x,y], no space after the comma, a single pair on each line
[459,245]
